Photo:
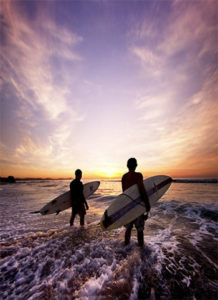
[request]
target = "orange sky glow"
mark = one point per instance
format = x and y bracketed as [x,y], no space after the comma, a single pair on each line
[89,84]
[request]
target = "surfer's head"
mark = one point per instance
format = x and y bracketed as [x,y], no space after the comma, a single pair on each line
[132,164]
[78,173]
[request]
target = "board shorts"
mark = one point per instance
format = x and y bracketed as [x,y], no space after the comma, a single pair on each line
[138,222]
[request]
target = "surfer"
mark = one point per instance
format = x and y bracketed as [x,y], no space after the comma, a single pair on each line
[128,180]
[79,204]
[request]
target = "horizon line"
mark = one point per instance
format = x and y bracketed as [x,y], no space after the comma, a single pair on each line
[109,178]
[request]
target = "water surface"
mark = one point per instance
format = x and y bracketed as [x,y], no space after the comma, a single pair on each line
[41,257]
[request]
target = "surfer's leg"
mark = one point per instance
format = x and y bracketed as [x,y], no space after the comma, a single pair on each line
[128,233]
[72,217]
[82,213]
[82,218]
[139,224]
[72,220]
[140,235]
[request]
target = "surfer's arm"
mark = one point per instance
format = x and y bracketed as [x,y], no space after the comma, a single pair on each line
[147,205]
[146,201]
[84,199]
[122,181]
[72,192]
[86,204]
[144,194]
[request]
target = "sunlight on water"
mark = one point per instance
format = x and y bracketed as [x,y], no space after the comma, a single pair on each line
[41,257]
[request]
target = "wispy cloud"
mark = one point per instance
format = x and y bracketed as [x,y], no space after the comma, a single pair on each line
[179,106]
[89,91]
[35,83]
[192,28]
[186,139]
[179,42]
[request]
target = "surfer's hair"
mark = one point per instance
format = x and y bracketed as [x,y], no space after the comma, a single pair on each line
[78,172]
[132,164]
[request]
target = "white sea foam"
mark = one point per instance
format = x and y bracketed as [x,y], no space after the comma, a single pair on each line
[42,257]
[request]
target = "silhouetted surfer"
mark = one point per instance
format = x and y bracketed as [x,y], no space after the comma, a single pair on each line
[128,180]
[79,204]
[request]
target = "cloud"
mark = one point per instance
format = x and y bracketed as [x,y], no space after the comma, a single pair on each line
[178,106]
[186,139]
[27,53]
[147,56]
[192,26]
[36,90]
[158,107]
[169,46]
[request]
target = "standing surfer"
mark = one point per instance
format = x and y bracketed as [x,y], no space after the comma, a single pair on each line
[79,204]
[128,180]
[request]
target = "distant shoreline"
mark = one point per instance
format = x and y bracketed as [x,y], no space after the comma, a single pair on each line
[204,180]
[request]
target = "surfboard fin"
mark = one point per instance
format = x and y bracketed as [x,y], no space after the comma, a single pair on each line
[107,220]
[145,217]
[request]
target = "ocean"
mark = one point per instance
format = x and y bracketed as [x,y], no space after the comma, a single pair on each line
[42,257]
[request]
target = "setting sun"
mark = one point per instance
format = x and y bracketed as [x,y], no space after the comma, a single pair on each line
[109,173]
[86,85]
[89,84]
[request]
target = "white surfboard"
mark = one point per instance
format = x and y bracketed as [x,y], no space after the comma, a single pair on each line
[128,205]
[63,201]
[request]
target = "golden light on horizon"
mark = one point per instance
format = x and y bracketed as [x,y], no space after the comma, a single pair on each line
[141,96]
[108,172]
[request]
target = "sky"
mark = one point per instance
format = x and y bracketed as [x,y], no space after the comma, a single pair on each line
[89,84]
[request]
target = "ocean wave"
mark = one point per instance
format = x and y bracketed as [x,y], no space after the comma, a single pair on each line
[212,180]
[93,264]
[43,258]
[190,210]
